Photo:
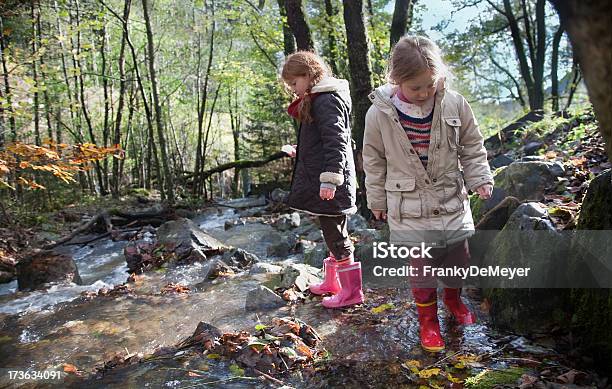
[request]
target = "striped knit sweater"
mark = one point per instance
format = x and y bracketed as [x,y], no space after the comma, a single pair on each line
[418,131]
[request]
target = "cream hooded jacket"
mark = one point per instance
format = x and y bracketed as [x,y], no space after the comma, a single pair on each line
[424,205]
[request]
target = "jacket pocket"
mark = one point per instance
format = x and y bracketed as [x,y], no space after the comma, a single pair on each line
[402,198]
[455,193]
[453,125]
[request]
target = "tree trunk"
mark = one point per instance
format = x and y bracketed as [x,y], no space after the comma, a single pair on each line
[521,56]
[331,52]
[588,27]
[79,80]
[35,106]
[122,88]
[554,69]
[73,120]
[288,39]
[198,187]
[298,24]
[402,19]
[576,77]
[7,85]
[158,114]
[107,103]
[361,81]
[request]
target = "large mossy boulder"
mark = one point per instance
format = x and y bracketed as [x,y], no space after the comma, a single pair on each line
[591,248]
[528,240]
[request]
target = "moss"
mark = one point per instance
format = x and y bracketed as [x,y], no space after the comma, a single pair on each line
[476,204]
[592,320]
[139,192]
[493,378]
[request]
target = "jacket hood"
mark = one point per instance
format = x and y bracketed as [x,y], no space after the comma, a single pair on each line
[337,85]
[381,96]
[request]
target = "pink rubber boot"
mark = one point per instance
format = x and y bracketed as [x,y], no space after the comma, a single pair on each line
[349,275]
[330,282]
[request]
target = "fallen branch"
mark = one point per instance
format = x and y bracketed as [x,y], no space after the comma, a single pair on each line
[101,217]
[240,164]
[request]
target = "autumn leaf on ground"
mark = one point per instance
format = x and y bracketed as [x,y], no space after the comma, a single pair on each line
[69,368]
[383,307]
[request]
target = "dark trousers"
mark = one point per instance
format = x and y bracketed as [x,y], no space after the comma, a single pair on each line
[456,255]
[335,233]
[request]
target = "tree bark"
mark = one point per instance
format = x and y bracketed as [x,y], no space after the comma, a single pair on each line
[588,27]
[79,80]
[7,84]
[122,88]
[156,104]
[554,69]
[521,56]
[35,105]
[288,39]
[402,19]
[298,24]
[361,82]
[331,52]
[198,188]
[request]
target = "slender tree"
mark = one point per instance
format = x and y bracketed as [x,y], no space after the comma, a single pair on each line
[157,106]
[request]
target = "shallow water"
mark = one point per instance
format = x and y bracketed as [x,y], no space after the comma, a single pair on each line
[46,329]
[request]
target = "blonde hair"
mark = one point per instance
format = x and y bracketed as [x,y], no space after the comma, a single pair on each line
[300,64]
[411,56]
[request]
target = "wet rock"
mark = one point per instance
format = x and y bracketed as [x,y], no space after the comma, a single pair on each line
[532,158]
[188,241]
[282,245]
[218,268]
[229,224]
[357,222]
[532,147]
[205,335]
[262,298]
[315,236]
[500,161]
[306,227]
[287,221]
[279,196]
[41,267]
[301,275]
[245,202]
[239,258]
[497,218]
[262,267]
[252,212]
[8,270]
[315,256]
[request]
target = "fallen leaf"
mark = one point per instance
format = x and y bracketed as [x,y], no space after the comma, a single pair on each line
[383,307]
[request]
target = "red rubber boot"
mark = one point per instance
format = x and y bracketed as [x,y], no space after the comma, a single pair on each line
[349,275]
[431,340]
[330,282]
[461,313]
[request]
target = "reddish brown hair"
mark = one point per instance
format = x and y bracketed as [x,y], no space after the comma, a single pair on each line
[300,64]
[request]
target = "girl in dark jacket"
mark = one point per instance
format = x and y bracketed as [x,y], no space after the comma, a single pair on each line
[324,179]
